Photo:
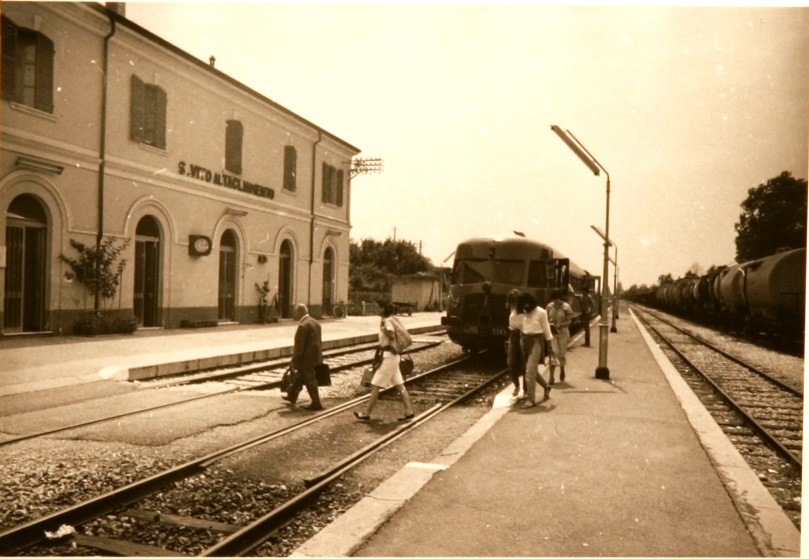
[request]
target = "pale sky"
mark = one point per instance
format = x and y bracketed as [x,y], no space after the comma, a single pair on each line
[686,107]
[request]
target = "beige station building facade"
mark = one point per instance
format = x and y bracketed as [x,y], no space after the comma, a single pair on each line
[215,187]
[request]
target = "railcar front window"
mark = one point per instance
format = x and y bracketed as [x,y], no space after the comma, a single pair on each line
[473,271]
[510,272]
[538,273]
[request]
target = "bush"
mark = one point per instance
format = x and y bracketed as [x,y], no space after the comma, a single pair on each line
[100,324]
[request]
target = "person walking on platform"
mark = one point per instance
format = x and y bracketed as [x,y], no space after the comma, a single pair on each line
[514,357]
[535,328]
[388,373]
[587,309]
[307,354]
[560,315]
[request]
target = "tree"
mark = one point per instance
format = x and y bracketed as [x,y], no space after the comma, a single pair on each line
[774,217]
[374,264]
[95,269]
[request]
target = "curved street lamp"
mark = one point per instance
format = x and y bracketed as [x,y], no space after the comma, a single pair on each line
[615,278]
[602,371]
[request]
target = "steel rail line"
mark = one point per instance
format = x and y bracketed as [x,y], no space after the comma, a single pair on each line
[251,536]
[242,371]
[30,533]
[762,431]
[719,350]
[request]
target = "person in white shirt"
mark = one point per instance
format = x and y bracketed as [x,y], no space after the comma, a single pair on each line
[560,315]
[388,373]
[535,327]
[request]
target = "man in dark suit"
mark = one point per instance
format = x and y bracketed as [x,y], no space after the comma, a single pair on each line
[308,353]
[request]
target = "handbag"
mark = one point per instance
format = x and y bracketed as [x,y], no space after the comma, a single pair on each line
[287,380]
[323,375]
[367,376]
[406,365]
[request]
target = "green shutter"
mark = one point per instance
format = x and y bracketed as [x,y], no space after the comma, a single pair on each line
[137,110]
[326,194]
[233,146]
[290,167]
[43,97]
[340,188]
[9,46]
[161,100]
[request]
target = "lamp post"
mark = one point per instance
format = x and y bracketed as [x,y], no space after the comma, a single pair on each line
[615,278]
[602,371]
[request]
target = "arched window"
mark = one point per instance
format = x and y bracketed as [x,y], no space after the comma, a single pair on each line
[328,281]
[228,259]
[24,300]
[147,272]
[286,271]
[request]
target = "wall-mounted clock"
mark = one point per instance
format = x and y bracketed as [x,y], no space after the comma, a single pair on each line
[199,245]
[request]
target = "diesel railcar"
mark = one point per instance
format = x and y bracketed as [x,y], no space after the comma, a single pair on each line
[487,268]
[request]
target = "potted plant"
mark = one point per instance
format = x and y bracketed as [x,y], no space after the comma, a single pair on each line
[267,312]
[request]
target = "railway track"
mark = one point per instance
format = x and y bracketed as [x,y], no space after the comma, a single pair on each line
[760,414]
[442,387]
[255,376]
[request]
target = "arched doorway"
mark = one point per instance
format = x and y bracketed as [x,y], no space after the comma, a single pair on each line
[147,272]
[26,266]
[228,259]
[285,279]
[328,281]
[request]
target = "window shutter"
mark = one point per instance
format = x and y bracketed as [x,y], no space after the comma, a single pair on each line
[290,167]
[137,111]
[44,87]
[161,101]
[9,46]
[326,183]
[149,115]
[340,188]
[233,146]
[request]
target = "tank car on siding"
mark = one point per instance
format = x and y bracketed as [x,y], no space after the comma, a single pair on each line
[487,268]
[775,291]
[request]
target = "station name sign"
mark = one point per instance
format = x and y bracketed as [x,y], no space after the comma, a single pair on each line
[222,179]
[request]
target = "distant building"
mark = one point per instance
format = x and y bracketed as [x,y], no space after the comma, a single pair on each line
[217,187]
[422,290]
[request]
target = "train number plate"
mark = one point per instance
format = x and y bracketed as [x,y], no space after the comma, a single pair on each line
[497,331]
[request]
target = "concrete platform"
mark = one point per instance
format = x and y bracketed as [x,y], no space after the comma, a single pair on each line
[28,363]
[631,466]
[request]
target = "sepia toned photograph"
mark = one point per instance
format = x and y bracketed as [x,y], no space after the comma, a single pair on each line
[392,279]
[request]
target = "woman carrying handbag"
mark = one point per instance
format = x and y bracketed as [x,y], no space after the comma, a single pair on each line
[388,373]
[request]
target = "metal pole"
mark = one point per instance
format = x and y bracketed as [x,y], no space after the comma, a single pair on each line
[615,293]
[602,371]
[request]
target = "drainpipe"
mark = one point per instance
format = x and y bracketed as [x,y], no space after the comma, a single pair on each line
[103,153]
[312,223]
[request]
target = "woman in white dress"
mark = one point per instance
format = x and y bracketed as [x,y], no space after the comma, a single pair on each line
[388,373]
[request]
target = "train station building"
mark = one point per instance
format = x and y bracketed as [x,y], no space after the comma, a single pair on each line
[211,188]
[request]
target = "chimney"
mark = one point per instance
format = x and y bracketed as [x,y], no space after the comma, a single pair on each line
[117,7]
[212,61]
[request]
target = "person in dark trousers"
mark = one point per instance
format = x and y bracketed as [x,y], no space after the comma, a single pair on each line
[587,309]
[307,354]
[514,358]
